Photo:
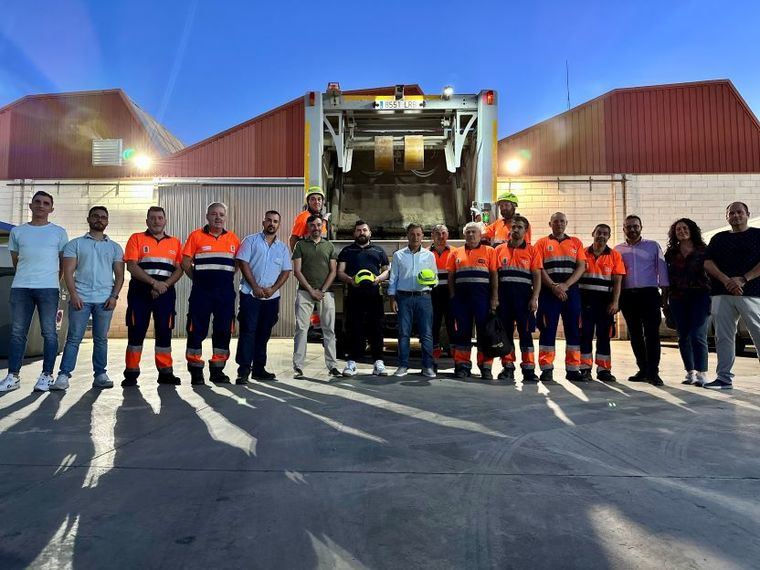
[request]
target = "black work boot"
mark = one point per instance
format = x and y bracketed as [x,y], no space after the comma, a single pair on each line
[547,375]
[196,376]
[217,376]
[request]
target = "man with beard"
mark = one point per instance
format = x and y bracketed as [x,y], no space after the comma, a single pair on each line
[363,266]
[600,295]
[315,199]
[154,260]
[93,268]
[640,301]
[209,260]
[498,231]
[315,266]
[519,286]
[36,249]
[265,264]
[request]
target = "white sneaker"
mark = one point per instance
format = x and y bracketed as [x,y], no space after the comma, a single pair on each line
[61,382]
[690,378]
[429,373]
[401,371]
[43,383]
[10,383]
[102,381]
[379,369]
[700,379]
[350,369]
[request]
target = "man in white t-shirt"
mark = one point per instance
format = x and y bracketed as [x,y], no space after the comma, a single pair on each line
[36,249]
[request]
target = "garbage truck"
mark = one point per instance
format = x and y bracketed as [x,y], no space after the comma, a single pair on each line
[399,158]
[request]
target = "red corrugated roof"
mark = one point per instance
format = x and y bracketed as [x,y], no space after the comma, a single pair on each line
[699,127]
[50,135]
[268,145]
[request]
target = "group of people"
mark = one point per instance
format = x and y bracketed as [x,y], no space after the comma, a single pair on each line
[498,271]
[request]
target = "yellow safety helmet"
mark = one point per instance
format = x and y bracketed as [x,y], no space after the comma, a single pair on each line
[312,190]
[507,197]
[364,275]
[427,278]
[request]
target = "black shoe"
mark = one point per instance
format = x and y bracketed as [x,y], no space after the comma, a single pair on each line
[507,374]
[128,382]
[168,378]
[586,375]
[242,380]
[461,372]
[529,376]
[219,378]
[196,377]
[574,376]
[605,376]
[297,373]
[264,376]
[486,374]
[638,377]
[335,373]
[547,375]
[656,381]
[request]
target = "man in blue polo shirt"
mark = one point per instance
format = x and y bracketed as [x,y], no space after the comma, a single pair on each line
[36,248]
[265,264]
[93,268]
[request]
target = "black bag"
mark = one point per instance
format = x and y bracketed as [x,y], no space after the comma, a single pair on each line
[493,340]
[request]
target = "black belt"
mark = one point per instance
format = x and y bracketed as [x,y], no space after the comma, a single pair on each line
[412,293]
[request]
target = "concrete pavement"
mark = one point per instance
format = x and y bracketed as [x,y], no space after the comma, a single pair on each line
[380,472]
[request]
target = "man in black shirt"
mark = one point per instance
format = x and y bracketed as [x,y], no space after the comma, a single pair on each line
[733,262]
[363,266]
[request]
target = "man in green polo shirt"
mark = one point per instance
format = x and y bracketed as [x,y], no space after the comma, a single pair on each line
[315,266]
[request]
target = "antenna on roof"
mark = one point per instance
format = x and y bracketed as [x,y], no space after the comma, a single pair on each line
[567,83]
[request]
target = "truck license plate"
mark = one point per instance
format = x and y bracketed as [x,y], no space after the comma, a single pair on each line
[399,104]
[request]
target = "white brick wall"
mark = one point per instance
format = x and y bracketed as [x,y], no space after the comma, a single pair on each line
[658,199]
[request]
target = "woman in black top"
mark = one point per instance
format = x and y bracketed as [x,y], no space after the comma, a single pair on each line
[689,296]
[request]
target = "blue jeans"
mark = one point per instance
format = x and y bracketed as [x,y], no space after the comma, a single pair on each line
[257,318]
[690,313]
[415,310]
[23,303]
[101,322]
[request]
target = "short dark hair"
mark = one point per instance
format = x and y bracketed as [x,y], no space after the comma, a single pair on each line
[97,208]
[609,229]
[746,208]
[413,226]
[634,217]
[360,223]
[268,212]
[156,209]
[42,193]
[313,217]
[523,219]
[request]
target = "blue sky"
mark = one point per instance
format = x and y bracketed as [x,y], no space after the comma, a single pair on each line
[203,66]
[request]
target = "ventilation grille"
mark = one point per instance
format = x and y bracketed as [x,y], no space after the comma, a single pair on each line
[106,152]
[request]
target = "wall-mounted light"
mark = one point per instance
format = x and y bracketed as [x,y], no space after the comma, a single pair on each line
[514,165]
